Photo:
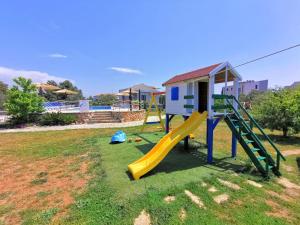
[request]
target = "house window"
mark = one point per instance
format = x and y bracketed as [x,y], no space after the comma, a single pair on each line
[144,97]
[174,93]
[256,86]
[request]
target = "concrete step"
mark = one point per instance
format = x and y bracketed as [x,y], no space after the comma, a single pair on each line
[102,113]
[101,117]
[103,121]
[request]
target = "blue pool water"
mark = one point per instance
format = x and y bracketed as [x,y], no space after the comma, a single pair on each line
[100,107]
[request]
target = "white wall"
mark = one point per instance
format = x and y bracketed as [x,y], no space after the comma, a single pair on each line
[177,106]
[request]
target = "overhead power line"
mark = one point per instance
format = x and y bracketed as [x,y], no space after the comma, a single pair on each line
[268,55]
[260,58]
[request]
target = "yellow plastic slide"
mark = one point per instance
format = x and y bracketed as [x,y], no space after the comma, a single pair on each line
[165,145]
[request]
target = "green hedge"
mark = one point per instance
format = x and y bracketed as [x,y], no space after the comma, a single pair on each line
[50,119]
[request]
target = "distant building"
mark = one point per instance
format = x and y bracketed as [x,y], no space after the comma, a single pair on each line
[293,85]
[144,89]
[245,87]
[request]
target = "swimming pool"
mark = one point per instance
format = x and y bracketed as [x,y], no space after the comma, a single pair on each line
[100,107]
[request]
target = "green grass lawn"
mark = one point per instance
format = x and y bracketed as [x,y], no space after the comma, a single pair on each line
[112,197]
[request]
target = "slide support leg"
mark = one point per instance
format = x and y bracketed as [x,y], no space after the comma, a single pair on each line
[167,123]
[233,146]
[186,139]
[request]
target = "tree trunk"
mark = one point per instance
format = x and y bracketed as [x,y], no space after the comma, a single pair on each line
[285,132]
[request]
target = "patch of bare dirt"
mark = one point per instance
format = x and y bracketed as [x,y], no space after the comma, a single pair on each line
[255,184]
[229,184]
[238,202]
[221,198]
[291,152]
[182,214]
[288,168]
[143,219]
[278,211]
[292,192]
[169,199]
[287,183]
[196,199]
[40,184]
[212,189]
[203,184]
[283,197]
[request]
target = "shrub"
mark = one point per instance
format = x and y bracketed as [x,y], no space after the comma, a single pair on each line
[50,119]
[3,92]
[279,110]
[23,102]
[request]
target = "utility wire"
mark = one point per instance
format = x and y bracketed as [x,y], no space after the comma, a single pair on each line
[260,58]
[266,56]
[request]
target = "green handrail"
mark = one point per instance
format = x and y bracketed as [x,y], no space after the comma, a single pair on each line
[258,126]
[248,129]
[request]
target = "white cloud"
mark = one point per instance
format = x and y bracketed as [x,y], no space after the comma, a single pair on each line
[126,70]
[7,74]
[57,55]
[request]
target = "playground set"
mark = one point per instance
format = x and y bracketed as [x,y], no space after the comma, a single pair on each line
[192,96]
[153,102]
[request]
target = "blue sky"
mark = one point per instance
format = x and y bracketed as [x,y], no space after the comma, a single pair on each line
[106,45]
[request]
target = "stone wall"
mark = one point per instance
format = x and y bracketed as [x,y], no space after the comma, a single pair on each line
[82,117]
[129,116]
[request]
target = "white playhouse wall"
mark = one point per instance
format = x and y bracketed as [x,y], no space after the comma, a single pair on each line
[177,106]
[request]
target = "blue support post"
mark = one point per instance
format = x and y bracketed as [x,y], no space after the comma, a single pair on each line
[167,123]
[233,146]
[211,125]
[209,139]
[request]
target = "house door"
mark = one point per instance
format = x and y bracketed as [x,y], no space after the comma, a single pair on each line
[202,96]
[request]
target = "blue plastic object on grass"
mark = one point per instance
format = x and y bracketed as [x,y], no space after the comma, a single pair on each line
[118,137]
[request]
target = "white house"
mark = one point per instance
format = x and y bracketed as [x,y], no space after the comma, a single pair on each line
[145,92]
[246,87]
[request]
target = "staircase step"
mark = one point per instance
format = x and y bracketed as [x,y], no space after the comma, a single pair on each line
[255,149]
[261,158]
[104,117]
[106,121]
[244,134]
[249,141]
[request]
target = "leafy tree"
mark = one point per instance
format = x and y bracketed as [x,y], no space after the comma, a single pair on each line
[251,97]
[23,101]
[242,97]
[3,91]
[279,110]
[68,85]
[105,99]
[50,96]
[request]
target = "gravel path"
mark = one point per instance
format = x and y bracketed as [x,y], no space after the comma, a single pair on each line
[73,127]
[79,126]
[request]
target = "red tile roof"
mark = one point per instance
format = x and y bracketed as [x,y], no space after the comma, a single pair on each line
[192,75]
